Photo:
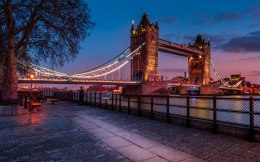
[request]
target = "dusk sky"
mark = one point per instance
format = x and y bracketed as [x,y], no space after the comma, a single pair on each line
[233,28]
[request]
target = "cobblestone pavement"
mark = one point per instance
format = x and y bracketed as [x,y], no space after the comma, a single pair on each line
[53,135]
[49,135]
[202,144]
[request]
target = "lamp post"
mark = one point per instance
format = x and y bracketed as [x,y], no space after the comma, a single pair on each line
[31,77]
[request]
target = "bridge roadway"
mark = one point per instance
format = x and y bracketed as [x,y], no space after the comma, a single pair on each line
[66,81]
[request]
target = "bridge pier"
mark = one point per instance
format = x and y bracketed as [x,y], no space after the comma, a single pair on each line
[209,89]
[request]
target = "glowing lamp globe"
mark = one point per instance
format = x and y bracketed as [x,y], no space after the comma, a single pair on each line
[31,76]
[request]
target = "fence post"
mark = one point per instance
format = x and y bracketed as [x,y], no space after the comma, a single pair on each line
[81,96]
[100,97]
[128,104]
[214,115]
[139,105]
[90,98]
[105,103]
[86,98]
[151,107]
[188,112]
[116,102]
[168,110]
[251,132]
[112,101]
[120,107]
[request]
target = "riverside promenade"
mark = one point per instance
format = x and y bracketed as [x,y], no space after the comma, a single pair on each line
[67,132]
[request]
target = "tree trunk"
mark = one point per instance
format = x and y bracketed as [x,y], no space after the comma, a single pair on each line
[10,84]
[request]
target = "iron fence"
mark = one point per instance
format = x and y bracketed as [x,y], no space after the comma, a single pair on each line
[242,112]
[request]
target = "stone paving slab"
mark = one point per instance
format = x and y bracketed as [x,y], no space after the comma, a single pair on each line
[155,159]
[116,142]
[138,140]
[135,153]
[170,154]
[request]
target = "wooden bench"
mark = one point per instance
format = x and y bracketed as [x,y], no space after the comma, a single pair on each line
[53,101]
[106,96]
[35,105]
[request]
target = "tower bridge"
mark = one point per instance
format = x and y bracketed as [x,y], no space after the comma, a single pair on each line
[142,58]
[146,62]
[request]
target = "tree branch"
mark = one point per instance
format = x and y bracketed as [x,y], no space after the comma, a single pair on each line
[27,30]
[10,23]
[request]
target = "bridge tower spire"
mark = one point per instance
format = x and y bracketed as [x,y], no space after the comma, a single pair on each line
[199,65]
[145,63]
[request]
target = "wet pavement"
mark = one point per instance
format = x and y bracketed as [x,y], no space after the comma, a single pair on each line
[67,132]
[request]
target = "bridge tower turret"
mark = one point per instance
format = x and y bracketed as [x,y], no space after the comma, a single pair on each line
[145,63]
[199,65]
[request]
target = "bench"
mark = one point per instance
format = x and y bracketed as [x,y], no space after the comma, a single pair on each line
[53,101]
[35,105]
[106,96]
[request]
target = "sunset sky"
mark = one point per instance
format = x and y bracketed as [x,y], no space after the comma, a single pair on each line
[233,28]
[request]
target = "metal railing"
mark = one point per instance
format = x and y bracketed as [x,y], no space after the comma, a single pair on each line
[238,112]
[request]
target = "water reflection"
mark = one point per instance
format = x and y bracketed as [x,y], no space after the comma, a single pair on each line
[229,108]
[32,118]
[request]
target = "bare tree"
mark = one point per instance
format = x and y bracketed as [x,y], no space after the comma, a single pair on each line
[46,30]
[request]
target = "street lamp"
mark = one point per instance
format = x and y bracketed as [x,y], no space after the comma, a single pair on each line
[31,76]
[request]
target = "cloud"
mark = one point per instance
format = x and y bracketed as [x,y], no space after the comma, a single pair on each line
[257,33]
[202,18]
[251,58]
[248,43]
[228,16]
[254,11]
[215,39]
[256,73]
[253,25]
[169,20]
[170,36]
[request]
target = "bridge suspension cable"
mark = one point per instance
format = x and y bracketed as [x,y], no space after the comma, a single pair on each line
[43,71]
[107,68]
[110,67]
[223,82]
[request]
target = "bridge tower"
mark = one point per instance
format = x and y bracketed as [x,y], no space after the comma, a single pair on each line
[145,63]
[199,65]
